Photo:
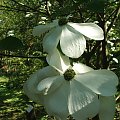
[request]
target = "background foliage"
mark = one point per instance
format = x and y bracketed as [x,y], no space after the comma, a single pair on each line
[21,54]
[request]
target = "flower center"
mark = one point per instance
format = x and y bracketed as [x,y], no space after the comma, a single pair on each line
[69,74]
[62,21]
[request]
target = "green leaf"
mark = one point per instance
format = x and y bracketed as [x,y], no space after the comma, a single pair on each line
[11,43]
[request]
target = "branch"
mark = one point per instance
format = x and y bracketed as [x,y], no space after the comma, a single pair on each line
[89,18]
[79,11]
[87,56]
[11,9]
[23,5]
[115,41]
[95,47]
[114,18]
[110,15]
[2,7]
[19,56]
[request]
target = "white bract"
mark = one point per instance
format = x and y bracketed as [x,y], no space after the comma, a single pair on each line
[64,93]
[71,36]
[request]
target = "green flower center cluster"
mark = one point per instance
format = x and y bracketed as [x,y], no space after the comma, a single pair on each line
[69,74]
[62,21]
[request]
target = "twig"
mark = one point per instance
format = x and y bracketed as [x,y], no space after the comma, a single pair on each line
[2,7]
[79,11]
[23,5]
[110,16]
[19,56]
[114,18]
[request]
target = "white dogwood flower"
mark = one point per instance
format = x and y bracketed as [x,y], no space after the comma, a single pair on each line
[71,36]
[73,90]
